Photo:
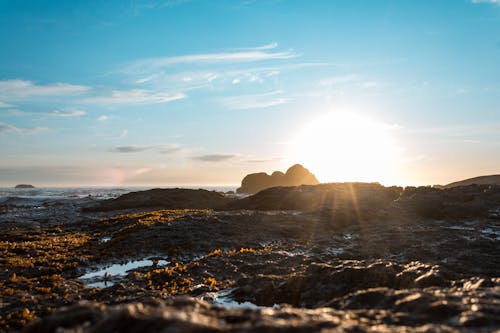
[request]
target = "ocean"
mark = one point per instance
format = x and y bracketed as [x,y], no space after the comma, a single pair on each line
[47,194]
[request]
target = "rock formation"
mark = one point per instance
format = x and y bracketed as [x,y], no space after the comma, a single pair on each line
[481,180]
[294,176]
[24,186]
[343,202]
[172,198]
[355,257]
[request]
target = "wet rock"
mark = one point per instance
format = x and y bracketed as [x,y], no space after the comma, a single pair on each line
[164,198]
[294,176]
[385,268]
[449,203]
[343,202]
[189,315]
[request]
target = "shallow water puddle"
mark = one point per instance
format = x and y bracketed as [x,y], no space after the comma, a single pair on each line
[107,276]
[104,239]
[223,298]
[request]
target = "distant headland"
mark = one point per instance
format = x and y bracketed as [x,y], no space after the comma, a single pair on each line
[24,186]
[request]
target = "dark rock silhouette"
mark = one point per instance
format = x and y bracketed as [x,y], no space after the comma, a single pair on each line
[481,180]
[342,202]
[472,201]
[174,198]
[294,176]
[24,186]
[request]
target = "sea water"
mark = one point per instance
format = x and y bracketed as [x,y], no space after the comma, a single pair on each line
[34,196]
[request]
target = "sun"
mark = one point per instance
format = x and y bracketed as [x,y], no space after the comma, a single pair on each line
[346,147]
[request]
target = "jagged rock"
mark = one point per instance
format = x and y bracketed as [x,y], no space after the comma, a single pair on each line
[182,314]
[455,202]
[294,176]
[385,264]
[176,198]
[343,202]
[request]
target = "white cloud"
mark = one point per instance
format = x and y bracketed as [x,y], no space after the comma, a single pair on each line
[494,2]
[154,64]
[66,113]
[7,128]
[103,118]
[134,96]
[269,46]
[254,101]
[123,133]
[334,80]
[5,105]
[55,113]
[349,79]
[161,148]
[22,89]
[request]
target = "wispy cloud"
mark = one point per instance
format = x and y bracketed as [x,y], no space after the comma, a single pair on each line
[134,96]
[214,157]
[151,65]
[349,79]
[131,149]
[22,89]
[170,151]
[161,148]
[254,101]
[269,46]
[66,113]
[5,105]
[138,6]
[8,128]
[123,133]
[494,2]
[104,118]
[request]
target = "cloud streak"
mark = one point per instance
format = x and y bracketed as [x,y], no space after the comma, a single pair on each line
[214,157]
[134,96]
[165,149]
[254,101]
[22,89]
[66,113]
[244,56]
[131,149]
[8,128]
[269,46]
[494,2]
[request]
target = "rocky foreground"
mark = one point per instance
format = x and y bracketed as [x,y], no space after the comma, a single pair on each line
[324,258]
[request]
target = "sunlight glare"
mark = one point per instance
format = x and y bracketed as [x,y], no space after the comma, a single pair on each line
[346,147]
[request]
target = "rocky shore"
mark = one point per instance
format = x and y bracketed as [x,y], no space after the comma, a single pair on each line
[320,258]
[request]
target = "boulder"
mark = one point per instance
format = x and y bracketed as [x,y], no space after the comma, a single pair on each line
[294,176]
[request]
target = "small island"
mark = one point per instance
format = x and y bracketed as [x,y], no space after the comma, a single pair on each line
[24,186]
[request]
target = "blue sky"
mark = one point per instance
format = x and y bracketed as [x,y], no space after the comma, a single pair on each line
[203,92]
